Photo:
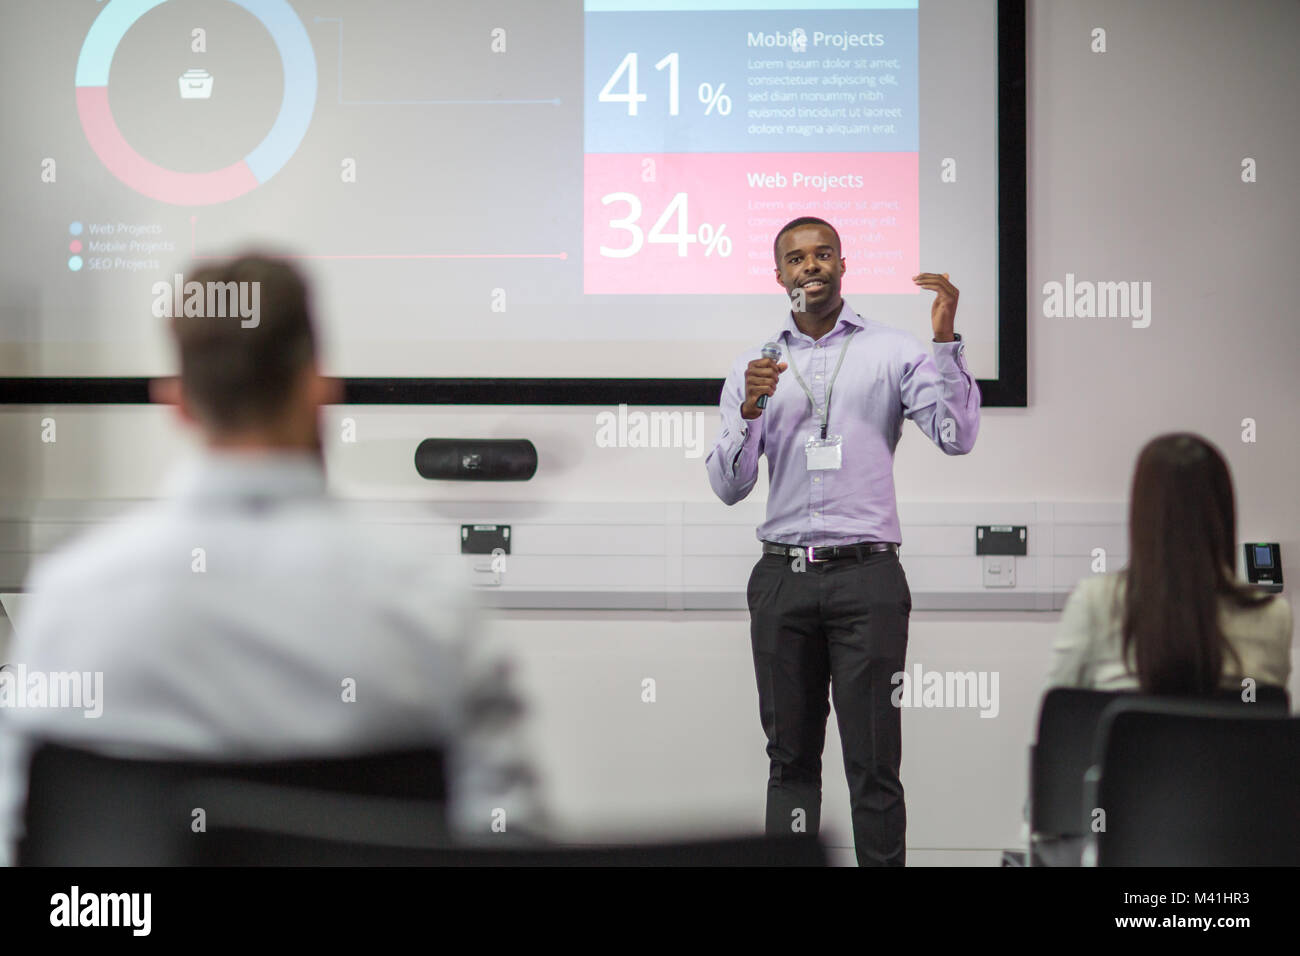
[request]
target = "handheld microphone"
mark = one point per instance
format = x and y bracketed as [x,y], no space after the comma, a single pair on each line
[770,351]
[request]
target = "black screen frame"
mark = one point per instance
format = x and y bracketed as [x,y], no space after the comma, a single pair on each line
[1008,390]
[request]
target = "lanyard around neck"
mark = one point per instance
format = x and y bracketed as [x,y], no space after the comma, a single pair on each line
[826,409]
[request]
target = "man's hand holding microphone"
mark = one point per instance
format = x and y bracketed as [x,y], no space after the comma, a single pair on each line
[760,381]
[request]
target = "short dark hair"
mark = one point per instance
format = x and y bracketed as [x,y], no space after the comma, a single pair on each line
[803,221]
[236,376]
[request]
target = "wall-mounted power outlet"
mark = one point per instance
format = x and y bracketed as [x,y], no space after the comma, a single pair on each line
[999,571]
[1002,539]
[490,542]
[486,575]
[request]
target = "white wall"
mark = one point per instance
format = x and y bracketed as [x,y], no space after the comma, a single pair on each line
[1134,159]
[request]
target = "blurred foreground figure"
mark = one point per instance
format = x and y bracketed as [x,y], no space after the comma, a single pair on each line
[246,615]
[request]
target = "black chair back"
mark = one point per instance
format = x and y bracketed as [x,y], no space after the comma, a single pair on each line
[89,809]
[1062,754]
[1181,786]
[1063,751]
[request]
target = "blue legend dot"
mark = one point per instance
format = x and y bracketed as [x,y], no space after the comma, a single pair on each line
[75,229]
[75,263]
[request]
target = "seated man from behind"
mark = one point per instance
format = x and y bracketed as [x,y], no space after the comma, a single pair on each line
[246,615]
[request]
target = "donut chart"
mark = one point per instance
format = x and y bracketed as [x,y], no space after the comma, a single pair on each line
[216,186]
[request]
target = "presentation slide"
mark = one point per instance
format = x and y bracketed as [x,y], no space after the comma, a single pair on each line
[535,188]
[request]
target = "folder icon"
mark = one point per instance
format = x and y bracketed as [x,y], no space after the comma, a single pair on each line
[196,85]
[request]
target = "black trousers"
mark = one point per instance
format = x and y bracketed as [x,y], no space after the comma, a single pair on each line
[840,625]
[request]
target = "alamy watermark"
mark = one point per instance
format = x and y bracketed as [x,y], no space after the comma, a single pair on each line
[208,300]
[127,910]
[655,429]
[63,690]
[1084,299]
[946,689]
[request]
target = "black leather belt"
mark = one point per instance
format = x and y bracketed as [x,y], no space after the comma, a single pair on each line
[828,552]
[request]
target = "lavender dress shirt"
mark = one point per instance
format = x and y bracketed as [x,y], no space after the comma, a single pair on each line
[886,377]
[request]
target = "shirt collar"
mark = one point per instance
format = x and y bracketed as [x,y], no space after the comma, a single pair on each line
[228,475]
[847,317]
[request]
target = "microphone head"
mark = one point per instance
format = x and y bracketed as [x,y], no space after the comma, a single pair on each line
[772,351]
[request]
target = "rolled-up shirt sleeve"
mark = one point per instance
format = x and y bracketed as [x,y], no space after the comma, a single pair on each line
[733,461]
[940,394]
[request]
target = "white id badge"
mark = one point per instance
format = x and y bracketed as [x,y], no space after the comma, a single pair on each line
[824,454]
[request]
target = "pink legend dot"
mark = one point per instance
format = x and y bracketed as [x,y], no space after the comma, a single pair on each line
[75,245]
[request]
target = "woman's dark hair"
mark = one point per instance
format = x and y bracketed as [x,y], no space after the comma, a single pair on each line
[1182,546]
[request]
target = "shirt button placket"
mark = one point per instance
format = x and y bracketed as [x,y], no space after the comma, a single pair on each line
[818,388]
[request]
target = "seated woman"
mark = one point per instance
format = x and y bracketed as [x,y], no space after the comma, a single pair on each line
[1176,620]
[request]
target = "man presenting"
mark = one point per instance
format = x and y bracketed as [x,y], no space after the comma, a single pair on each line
[828,599]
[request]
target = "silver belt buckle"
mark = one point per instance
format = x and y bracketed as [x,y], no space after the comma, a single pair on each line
[812,559]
